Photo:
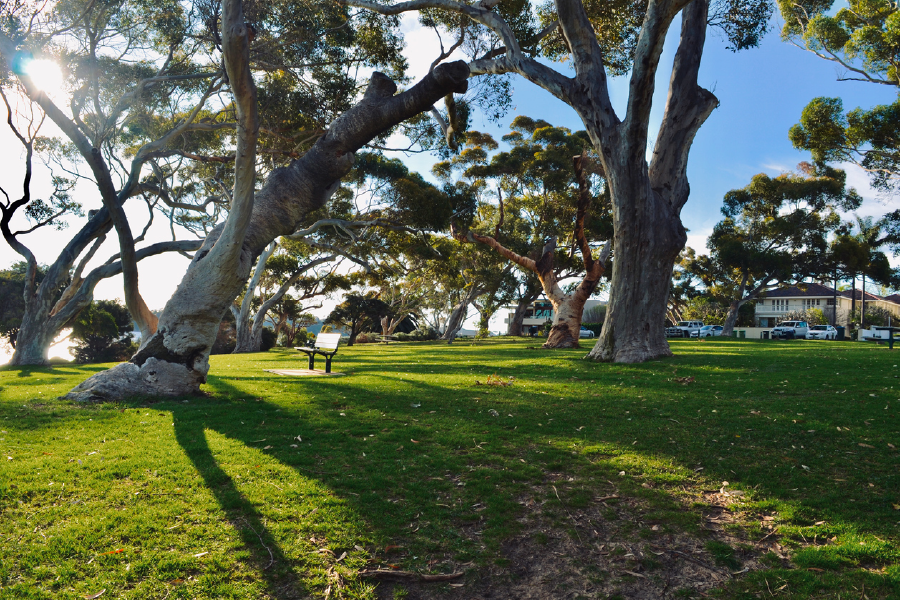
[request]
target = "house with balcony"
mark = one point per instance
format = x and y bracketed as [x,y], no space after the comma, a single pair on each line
[836,306]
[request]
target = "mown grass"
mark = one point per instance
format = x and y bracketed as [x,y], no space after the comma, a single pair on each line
[281,487]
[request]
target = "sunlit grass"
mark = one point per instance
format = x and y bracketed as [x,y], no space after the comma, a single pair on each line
[270,483]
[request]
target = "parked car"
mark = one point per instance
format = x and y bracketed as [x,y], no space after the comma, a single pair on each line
[790,329]
[585,333]
[707,331]
[684,328]
[822,332]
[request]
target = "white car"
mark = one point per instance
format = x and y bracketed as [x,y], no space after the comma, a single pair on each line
[821,332]
[790,330]
[707,331]
[585,333]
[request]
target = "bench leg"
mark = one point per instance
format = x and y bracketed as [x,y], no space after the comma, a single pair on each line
[312,362]
[328,364]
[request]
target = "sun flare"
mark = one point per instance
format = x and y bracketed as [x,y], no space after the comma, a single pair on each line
[46,75]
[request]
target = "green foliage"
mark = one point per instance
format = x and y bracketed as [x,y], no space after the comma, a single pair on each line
[706,309]
[875,315]
[864,38]
[269,339]
[102,333]
[867,137]
[358,313]
[813,316]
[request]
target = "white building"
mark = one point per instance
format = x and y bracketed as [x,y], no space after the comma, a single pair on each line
[836,307]
[541,310]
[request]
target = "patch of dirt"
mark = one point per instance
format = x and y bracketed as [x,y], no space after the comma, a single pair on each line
[607,548]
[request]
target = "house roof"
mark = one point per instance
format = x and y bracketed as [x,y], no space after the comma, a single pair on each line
[894,298]
[809,290]
[849,294]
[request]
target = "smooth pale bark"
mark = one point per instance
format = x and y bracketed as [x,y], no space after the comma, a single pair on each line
[459,313]
[187,327]
[245,341]
[253,337]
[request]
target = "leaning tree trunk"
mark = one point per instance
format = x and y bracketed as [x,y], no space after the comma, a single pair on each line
[458,316]
[531,292]
[44,320]
[175,360]
[245,341]
[735,307]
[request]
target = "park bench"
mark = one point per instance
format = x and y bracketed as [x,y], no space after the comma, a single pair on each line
[326,344]
[880,334]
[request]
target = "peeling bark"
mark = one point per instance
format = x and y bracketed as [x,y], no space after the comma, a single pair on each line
[188,324]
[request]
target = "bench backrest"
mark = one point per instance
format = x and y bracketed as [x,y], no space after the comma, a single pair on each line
[328,341]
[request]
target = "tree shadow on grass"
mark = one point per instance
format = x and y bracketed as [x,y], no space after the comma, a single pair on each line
[266,555]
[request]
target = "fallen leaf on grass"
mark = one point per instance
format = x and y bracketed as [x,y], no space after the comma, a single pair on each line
[113,551]
[494,380]
[414,441]
[176,581]
[892,447]
[817,570]
[896,506]
[267,447]
[865,445]
[199,554]
[682,381]
[97,595]
[635,574]
[457,584]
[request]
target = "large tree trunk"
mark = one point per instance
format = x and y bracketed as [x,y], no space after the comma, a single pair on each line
[174,361]
[647,199]
[530,294]
[648,238]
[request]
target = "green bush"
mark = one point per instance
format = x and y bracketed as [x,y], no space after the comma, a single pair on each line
[102,333]
[269,339]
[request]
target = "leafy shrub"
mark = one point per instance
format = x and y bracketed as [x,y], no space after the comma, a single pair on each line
[102,332]
[269,339]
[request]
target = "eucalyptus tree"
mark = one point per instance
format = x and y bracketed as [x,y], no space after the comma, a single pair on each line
[543,214]
[174,360]
[862,38]
[775,231]
[598,40]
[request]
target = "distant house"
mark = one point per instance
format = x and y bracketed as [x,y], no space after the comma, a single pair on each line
[771,309]
[540,311]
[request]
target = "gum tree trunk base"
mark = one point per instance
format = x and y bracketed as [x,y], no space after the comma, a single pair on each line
[153,378]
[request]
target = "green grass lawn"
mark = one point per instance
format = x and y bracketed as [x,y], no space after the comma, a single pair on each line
[270,486]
